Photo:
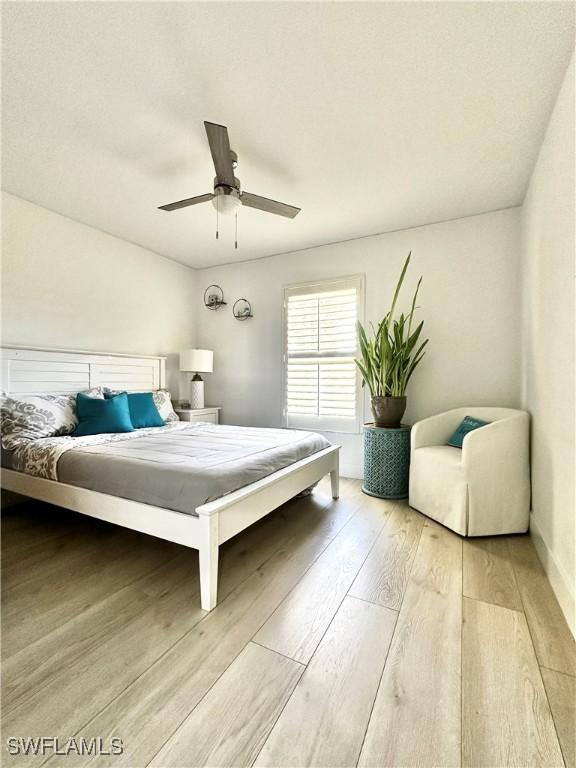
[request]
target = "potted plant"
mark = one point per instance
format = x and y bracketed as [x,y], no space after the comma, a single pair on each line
[389,357]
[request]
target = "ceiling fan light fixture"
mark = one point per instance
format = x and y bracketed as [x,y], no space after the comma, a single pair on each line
[226,201]
[227,197]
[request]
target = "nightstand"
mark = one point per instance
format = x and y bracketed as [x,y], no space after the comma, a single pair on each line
[211,415]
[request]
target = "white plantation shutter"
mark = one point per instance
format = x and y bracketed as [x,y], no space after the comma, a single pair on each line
[321,379]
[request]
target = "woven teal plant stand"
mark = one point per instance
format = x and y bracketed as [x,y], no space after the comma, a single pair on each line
[386,461]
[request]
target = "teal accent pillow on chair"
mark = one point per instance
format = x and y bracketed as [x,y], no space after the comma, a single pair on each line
[467,425]
[97,417]
[143,410]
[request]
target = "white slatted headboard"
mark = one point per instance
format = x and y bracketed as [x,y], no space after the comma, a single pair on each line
[34,370]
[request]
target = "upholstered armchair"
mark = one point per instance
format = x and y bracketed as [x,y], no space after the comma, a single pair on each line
[481,489]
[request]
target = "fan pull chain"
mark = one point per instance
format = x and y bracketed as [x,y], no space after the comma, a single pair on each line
[236,231]
[217,207]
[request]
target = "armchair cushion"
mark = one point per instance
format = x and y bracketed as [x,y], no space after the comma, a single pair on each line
[466,425]
[438,485]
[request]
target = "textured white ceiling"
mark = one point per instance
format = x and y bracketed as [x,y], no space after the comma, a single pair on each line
[370,116]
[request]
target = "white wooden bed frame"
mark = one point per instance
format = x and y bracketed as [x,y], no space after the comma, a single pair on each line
[37,370]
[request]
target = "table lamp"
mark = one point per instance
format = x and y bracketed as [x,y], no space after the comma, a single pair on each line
[197,361]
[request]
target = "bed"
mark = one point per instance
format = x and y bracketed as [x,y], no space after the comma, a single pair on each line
[194,484]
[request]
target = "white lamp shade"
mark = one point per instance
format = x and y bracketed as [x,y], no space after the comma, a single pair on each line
[197,360]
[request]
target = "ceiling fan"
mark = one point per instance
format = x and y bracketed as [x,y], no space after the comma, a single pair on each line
[228,196]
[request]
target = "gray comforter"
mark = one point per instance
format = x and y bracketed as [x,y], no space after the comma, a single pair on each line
[185,467]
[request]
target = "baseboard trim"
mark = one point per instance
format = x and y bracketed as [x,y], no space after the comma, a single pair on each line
[351,470]
[558,579]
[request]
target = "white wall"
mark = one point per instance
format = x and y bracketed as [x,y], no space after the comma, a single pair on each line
[470,301]
[548,246]
[65,284]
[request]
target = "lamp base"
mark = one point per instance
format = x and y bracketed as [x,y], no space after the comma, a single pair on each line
[196,393]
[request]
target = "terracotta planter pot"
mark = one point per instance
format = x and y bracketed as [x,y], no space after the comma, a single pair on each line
[388,411]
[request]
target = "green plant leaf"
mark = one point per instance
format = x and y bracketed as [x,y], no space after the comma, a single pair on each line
[399,285]
[387,358]
[413,307]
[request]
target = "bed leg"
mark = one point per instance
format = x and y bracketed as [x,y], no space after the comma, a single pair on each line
[335,482]
[335,475]
[208,556]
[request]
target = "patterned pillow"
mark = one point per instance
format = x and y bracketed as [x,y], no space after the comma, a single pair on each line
[32,417]
[162,401]
[92,392]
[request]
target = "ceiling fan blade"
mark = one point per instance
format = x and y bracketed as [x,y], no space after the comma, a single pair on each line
[185,203]
[220,148]
[270,206]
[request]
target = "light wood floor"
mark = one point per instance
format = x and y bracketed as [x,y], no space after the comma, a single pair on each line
[350,632]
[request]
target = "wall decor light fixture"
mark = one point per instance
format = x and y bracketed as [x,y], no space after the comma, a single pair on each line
[214,297]
[242,309]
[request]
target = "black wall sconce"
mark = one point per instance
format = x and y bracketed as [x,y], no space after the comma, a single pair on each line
[214,297]
[242,309]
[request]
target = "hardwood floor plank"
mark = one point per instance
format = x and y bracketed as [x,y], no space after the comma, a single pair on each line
[416,715]
[383,577]
[488,573]
[553,641]
[68,696]
[44,559]
[42,682]
[41,662]
[52,596]
[325,719]
[40,670]
[561,691]
[167,692]
[106,637]
[34,557]
[297,626]
[229,726]
[506,719]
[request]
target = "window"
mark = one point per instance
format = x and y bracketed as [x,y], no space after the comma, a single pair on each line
[321,380]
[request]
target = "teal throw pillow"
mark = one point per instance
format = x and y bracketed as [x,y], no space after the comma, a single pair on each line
[143,410]
[96,416]
[468,425]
